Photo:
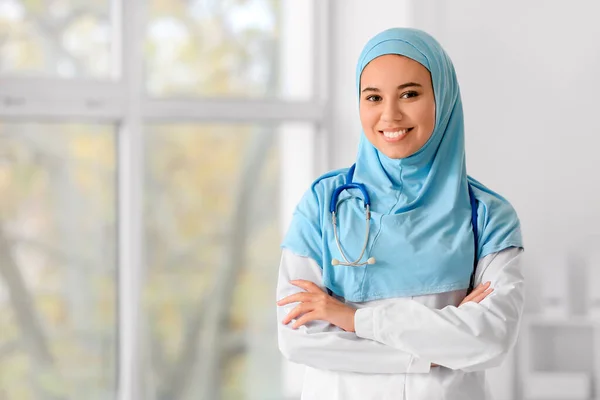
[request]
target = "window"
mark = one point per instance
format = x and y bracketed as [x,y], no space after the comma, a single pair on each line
[212,48]
[212,227]
[57,260]
[62,39]
[150,154]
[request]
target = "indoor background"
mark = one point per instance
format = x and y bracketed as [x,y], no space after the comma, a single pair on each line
[152,152]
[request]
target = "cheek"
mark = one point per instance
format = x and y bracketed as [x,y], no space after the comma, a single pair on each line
[432,116]
[368,118]
[427,118]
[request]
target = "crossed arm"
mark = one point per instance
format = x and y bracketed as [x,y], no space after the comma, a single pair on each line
[403,335]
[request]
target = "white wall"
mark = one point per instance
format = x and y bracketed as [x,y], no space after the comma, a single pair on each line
[530,80]
[354,22]
[530,77]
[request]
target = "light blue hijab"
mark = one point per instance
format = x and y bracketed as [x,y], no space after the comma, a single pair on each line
[421,232]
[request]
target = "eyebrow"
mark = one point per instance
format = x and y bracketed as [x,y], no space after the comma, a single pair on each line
[403,86]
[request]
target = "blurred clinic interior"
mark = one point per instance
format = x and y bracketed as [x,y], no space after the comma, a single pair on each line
[152,153]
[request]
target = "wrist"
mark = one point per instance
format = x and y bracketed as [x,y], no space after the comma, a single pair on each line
[351,315]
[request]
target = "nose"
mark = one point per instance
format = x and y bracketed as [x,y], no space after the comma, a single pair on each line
[391,112]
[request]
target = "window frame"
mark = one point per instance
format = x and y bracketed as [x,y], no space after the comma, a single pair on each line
[123,102]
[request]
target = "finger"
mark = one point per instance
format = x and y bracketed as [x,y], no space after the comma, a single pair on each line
[294,298]
[298,310]
[478,290]
[483,295]
[309,286]
[479,296]
[311,316]
[481,288]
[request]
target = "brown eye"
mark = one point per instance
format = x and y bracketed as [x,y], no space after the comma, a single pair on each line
[373,98]
[408,95]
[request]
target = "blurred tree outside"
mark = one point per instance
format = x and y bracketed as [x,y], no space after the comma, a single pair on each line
[57,260]
[57,38]
[212,241]
[211,215]
[237,37]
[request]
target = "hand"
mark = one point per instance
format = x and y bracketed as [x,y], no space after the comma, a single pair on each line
[315,304]
[478,294]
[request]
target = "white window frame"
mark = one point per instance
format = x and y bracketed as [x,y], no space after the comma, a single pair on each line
[120,102]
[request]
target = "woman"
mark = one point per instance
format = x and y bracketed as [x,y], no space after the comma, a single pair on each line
[393,317]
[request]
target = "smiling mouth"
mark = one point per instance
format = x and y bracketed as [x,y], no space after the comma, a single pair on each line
[392,136]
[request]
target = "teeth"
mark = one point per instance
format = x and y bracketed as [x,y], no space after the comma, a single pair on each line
[395,134]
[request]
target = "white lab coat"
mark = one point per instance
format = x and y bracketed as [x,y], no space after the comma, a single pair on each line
[397,339]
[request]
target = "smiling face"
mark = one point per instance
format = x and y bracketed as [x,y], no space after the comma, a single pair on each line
[397,105]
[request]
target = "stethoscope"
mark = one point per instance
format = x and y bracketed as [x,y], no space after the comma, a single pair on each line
[333,210]
[367,203]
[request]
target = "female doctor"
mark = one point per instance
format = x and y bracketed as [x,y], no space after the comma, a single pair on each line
[375,277]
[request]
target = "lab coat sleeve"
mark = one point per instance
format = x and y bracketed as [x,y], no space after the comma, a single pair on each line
[321,345]
[472,337]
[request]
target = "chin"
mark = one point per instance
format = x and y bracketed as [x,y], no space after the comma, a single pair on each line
[396,154]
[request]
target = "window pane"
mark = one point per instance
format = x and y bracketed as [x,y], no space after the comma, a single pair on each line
[228,48]
[56,38]
[213,235]
[57,261]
